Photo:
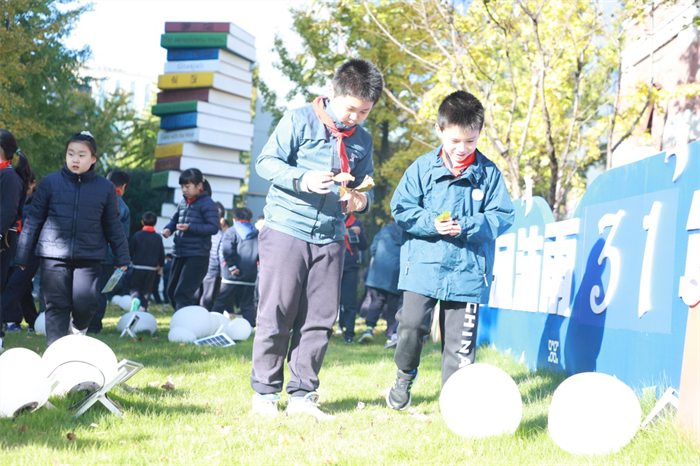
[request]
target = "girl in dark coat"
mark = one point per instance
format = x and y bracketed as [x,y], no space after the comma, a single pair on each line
[73,217]
[13,191]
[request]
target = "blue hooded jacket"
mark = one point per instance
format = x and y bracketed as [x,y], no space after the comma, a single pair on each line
[239,250]
[453,268]
[386,250]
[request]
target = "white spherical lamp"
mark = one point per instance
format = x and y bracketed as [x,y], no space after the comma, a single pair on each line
[217,320]
[79,362]
[239,329]
[481,400]
[125,302]
[593,414]
[146,323]
[40,324]
[194,318]
[23,385]
[181,335]
[115,299]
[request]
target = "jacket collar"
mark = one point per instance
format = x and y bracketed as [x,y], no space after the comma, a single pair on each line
[474,173]
[87,176]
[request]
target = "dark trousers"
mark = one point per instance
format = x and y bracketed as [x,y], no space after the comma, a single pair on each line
[211,286]
[7,253]
[348,302]
[17,299]
[299,292]
[106,271]
[458,326]
[242,296]
[382,302]
[71,290]
[155,292]
[142,285]
[186,276]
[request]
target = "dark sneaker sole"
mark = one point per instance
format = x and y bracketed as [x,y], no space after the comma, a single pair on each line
[404,408]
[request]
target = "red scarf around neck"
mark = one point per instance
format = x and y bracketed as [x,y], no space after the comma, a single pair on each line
[348,223]
[149,228]
[457,170]
[5,164]
[339,135]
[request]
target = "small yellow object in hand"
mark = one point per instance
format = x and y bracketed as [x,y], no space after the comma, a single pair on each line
[340,177]
[443,216]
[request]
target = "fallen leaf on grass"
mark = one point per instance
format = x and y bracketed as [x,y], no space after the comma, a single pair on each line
[419,416]
[122,442]
[360,405]
[71,436]
[283,440]
[94,425]
[154,384]
[218,413]
[382,364]
[22,429]
[223,429]
[213,377]
[183,344]
[168,386]
[189,428]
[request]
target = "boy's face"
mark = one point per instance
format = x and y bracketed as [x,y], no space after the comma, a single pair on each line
[79,159]
[457,143]
[190,190]
[350,110]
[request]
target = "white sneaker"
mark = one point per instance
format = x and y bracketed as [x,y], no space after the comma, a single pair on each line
[307,404]
[2,346]
[75,331]
[266,405]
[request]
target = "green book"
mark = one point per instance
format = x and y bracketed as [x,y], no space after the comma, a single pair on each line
[222,40]
[174,107]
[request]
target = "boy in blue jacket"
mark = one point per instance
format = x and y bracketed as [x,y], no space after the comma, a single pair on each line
[447,257]
[302,244]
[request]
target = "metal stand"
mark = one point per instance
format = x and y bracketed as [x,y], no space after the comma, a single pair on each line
[125,370]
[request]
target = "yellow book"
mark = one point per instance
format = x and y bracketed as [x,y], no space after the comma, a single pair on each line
[169,150]
[205,79]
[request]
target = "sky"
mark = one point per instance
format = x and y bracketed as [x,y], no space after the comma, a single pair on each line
[125,34]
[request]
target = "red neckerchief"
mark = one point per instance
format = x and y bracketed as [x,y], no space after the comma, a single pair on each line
[339,135]
[5,164]
[457,170]
[119,191]
[149,228]
[190,201]
[242,221]
[348,223]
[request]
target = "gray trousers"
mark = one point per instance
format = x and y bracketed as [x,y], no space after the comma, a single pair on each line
[458,325]
[299,293]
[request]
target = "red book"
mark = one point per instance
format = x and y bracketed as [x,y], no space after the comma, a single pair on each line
[169,163]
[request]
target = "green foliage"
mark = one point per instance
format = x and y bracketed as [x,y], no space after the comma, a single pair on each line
[141,198]
[44,100]
[205,418]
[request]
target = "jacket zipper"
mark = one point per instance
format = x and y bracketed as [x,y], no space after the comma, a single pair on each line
[75,217]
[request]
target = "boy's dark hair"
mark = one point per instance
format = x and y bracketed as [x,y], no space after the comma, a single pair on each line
[10,148]
[119,178]
[461,109]
[86,138]
[168,256]
[358,78]
[220,209]
[191,175]
[149,219]
[242,213]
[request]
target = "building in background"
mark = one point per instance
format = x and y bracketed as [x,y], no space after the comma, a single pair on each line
[106,81]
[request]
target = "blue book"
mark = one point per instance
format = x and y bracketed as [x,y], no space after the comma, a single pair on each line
[179,121]
[193,54]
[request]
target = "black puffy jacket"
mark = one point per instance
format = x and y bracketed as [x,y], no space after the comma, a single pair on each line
[12,195]
[73,217]
[203,218]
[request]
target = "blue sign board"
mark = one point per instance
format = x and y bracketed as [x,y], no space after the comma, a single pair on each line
[608,290]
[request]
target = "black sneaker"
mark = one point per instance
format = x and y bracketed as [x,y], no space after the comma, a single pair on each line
[367,335]
[399,397]
[348,340]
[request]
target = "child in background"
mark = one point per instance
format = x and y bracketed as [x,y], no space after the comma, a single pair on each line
[302,244]
[166,276]
[211,284]
[121,180]
[355,241]
[193,225]
[147,257]
[448,259]
[239,266]
[73,219]
[14,182]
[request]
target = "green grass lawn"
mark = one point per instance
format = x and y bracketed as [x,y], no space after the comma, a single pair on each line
[206,419]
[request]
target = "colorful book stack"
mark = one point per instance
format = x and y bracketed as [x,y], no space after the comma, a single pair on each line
[204,105]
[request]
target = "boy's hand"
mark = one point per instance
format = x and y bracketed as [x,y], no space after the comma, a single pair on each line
[356,201]
[448,227]
[165,232]
[124,267]
[182,226]
[317,182]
